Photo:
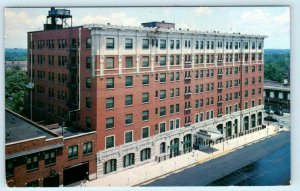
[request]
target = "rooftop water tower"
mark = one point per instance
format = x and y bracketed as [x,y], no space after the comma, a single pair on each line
[58,18]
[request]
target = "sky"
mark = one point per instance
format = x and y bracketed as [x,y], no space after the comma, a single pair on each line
[271,21]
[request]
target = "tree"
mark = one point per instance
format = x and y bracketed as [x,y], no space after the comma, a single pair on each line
[15,90]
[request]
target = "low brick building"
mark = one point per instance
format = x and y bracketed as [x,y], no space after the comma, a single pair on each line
[37,156]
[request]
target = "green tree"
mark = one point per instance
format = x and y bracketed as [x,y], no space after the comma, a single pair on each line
[15,89]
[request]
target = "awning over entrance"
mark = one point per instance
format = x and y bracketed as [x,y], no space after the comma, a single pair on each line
[213,136]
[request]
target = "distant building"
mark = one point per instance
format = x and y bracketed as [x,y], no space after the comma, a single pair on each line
[149,92]
[277,95]
[36,156]
[13,64]
[162,24]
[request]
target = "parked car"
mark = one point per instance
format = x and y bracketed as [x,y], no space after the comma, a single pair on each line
[270,112]
[270,118]
[278,112]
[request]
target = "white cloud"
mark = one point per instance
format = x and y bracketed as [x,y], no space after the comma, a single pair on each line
[203,11]
[114,19]
[17,24]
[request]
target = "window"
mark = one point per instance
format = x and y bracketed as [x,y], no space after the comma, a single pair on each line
[110,122]
[145,61]
[145,97]
[145,154]
[145,79]
[253,45]
[50,158]
[109,142]
[162,111]
[177,76]
[162,127]
[177,92]
[128,100]
[110,103]
[177,44]
[253,68]
[129,62]
[109,63]
[128,137]
[259,68]
[88,62]
[110,44]
[110,166]
[88,102]
[162,60]
[172,44]
[246,45]
[253,80]
[177,123]
[72,152]
[128,160]
[128,119]
[88,43]
[145,115]
[110,83]
[246,81]
[177,60]
[172,109]
[162,94]
[128,81]
[172,92]
[145,132]
[128,43]
[88,83]
[246,105]
[87,148]
[163,44]
[162,77]
[253,92]
[145,43]
[177,108]
[246,93]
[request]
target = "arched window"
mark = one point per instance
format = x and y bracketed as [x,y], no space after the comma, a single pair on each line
[162,147]
[259,118]
[128,160]
[246,123]
[253,122]
[187,141]
[110,166]
[145,154]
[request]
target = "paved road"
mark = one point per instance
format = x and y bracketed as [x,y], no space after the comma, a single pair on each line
[215,169]
[262,172]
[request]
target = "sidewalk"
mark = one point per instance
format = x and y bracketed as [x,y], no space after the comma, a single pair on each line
[154,170]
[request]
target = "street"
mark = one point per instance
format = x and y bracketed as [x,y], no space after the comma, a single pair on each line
[217,168]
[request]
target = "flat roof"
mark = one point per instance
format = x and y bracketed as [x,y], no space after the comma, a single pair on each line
[268,84]
[173,30]
[69,131]
[19,128]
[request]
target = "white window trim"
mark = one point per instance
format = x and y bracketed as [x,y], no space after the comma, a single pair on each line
[125,136]
[179,122]
[165,126]
[174,125]
[114,141]
[148,132]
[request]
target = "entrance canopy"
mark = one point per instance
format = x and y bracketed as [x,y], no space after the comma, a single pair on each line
[213,136]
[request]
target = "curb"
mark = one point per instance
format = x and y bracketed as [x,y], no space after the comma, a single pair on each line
[201,161]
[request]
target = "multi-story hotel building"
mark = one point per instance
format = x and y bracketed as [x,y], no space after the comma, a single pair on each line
[150,92]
